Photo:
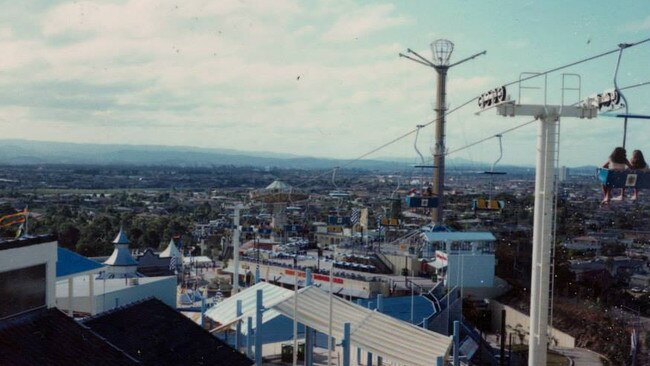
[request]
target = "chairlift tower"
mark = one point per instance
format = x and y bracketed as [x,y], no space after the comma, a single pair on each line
[544,213]
[442,50]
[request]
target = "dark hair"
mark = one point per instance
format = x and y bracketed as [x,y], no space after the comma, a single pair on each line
[637,161]
[618,156]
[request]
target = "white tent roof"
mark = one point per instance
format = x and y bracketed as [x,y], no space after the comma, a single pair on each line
[381,334]
[225,312]
[171,250]
[279,185]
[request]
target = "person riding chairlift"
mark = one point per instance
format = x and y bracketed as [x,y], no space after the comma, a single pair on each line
[617,161]
[638,163]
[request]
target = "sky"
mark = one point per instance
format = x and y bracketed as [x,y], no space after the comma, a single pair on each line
[316,78]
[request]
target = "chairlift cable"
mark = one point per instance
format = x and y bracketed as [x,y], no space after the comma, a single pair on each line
[635,85]
[488,138]
[406,134]
[627,107]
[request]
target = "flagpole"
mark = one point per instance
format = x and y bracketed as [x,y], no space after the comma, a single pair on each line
[26,220]
[329,333]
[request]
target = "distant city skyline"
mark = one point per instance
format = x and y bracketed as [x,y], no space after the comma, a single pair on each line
[310,78]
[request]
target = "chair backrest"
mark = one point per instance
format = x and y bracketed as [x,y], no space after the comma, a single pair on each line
[489,205]
[624,178]
[421,202]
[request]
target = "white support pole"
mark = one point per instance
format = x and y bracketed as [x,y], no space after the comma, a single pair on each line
[295,316]
[70,294]
[235,250]
[329,331]
[91,293]
[543,217]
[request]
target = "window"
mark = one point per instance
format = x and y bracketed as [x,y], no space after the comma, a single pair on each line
[22,289]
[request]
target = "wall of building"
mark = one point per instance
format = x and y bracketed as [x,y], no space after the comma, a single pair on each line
[518,323]
[470,270]
[162,288]
[399,261]
[268,273]
[32,255]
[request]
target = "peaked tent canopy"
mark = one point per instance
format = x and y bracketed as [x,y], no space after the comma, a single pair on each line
[171,251]
[278,185]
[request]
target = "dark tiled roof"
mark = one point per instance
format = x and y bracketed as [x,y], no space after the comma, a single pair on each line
[49,337]
[156,334]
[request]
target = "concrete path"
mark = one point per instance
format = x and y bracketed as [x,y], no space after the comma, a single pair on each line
[580,356]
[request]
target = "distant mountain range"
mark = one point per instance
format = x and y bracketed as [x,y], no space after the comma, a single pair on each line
[28,152]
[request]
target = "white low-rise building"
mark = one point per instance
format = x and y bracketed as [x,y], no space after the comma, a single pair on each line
[111,293]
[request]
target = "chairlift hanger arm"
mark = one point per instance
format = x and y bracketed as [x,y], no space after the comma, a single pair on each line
[499,136]
[415,143]
[622,46]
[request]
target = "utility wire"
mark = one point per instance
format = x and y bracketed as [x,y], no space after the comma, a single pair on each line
[350,162]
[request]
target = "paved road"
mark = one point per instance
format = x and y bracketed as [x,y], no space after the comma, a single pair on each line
[580,356]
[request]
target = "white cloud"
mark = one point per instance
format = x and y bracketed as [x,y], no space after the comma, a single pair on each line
[364,21]
[215,73]
[136,18]
[637,26]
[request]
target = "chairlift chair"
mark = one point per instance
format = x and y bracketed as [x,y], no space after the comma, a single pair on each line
[337,193]
[624,178]
[490,204]
[636,179]
[395,208]
[418,200]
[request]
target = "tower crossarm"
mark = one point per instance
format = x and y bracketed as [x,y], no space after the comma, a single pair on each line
[511,109]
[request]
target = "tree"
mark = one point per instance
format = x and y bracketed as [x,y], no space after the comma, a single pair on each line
[68,235]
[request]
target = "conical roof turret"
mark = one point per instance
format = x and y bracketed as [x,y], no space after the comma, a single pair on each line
[121,238]
[121,255]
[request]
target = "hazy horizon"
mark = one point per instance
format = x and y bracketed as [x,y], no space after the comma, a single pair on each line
[307,78]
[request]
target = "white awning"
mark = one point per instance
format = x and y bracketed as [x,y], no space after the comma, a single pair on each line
[197,260]
[225,312]
[437,264]
[383,335]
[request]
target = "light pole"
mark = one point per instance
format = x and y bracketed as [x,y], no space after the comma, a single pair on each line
[235,248]
[442,50]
